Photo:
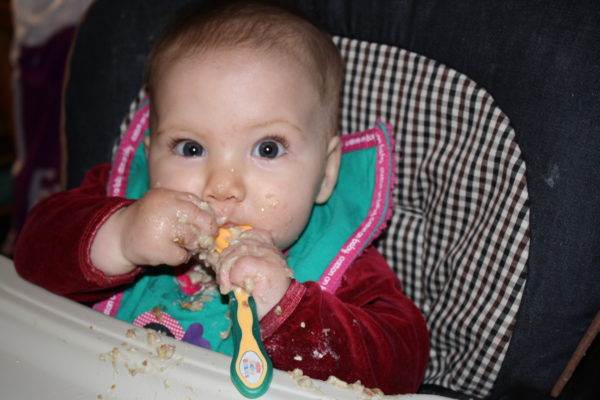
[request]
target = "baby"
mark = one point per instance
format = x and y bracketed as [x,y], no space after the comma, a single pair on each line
[244,101]
[242,120]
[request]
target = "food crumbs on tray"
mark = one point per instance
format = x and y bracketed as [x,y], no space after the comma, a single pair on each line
[373,392]
[278,311]
[356,387]
[111,356]
[298,357]
[337,382]
[302,381]
[160,354]
[302,324]
[152,338]
[130,334]
[165,351]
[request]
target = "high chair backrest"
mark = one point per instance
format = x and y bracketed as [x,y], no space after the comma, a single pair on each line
[495,108]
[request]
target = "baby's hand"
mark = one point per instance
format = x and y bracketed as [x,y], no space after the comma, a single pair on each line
[253,263]
[163,227]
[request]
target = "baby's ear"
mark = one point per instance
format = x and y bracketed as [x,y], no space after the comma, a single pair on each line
[332,168]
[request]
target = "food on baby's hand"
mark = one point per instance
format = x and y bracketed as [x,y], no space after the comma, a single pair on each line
[228,236]
[202,240]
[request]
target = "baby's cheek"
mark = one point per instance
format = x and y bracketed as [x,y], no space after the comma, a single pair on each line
[271,201]
[271,208]
[274,215]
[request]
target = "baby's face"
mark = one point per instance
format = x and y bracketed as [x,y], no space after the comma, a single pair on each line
[247,134]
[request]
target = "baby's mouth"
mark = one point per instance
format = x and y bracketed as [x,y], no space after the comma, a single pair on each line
[223,214]
[223,222]
[229,221]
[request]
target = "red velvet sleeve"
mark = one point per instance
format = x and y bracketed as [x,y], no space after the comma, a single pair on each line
[53,248]
[368,330]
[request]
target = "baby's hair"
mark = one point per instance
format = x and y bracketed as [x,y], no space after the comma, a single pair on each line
[256,25]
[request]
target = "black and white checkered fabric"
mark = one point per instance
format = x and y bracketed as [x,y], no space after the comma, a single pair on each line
[459,236]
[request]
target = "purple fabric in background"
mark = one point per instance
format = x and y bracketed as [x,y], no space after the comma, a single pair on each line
[41,70]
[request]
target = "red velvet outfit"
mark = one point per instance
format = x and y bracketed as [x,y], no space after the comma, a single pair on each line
[368,330]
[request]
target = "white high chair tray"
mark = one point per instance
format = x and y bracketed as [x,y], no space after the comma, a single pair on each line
[54,348]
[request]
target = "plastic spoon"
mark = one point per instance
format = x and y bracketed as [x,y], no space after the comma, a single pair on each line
[251,369]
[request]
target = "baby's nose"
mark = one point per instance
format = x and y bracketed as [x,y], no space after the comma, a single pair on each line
[224,184]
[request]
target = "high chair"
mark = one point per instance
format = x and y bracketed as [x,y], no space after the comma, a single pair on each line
[496,226]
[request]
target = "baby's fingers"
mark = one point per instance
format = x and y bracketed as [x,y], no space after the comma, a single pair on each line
[196,223]
[240,271]
[257,235]
[223,271]
[176,256]
[246,272]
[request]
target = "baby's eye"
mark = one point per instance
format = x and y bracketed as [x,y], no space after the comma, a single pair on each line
[189,148]
[269,149]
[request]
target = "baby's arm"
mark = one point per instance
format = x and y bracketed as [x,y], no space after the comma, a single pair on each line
[53,247]
[367,331]
[56,248]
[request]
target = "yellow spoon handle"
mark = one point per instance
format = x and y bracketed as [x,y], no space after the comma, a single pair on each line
[251,369]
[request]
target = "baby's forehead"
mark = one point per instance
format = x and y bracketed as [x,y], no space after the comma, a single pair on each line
[290,62]
[280,67]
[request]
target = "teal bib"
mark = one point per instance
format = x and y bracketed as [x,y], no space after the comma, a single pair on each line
[336,234]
